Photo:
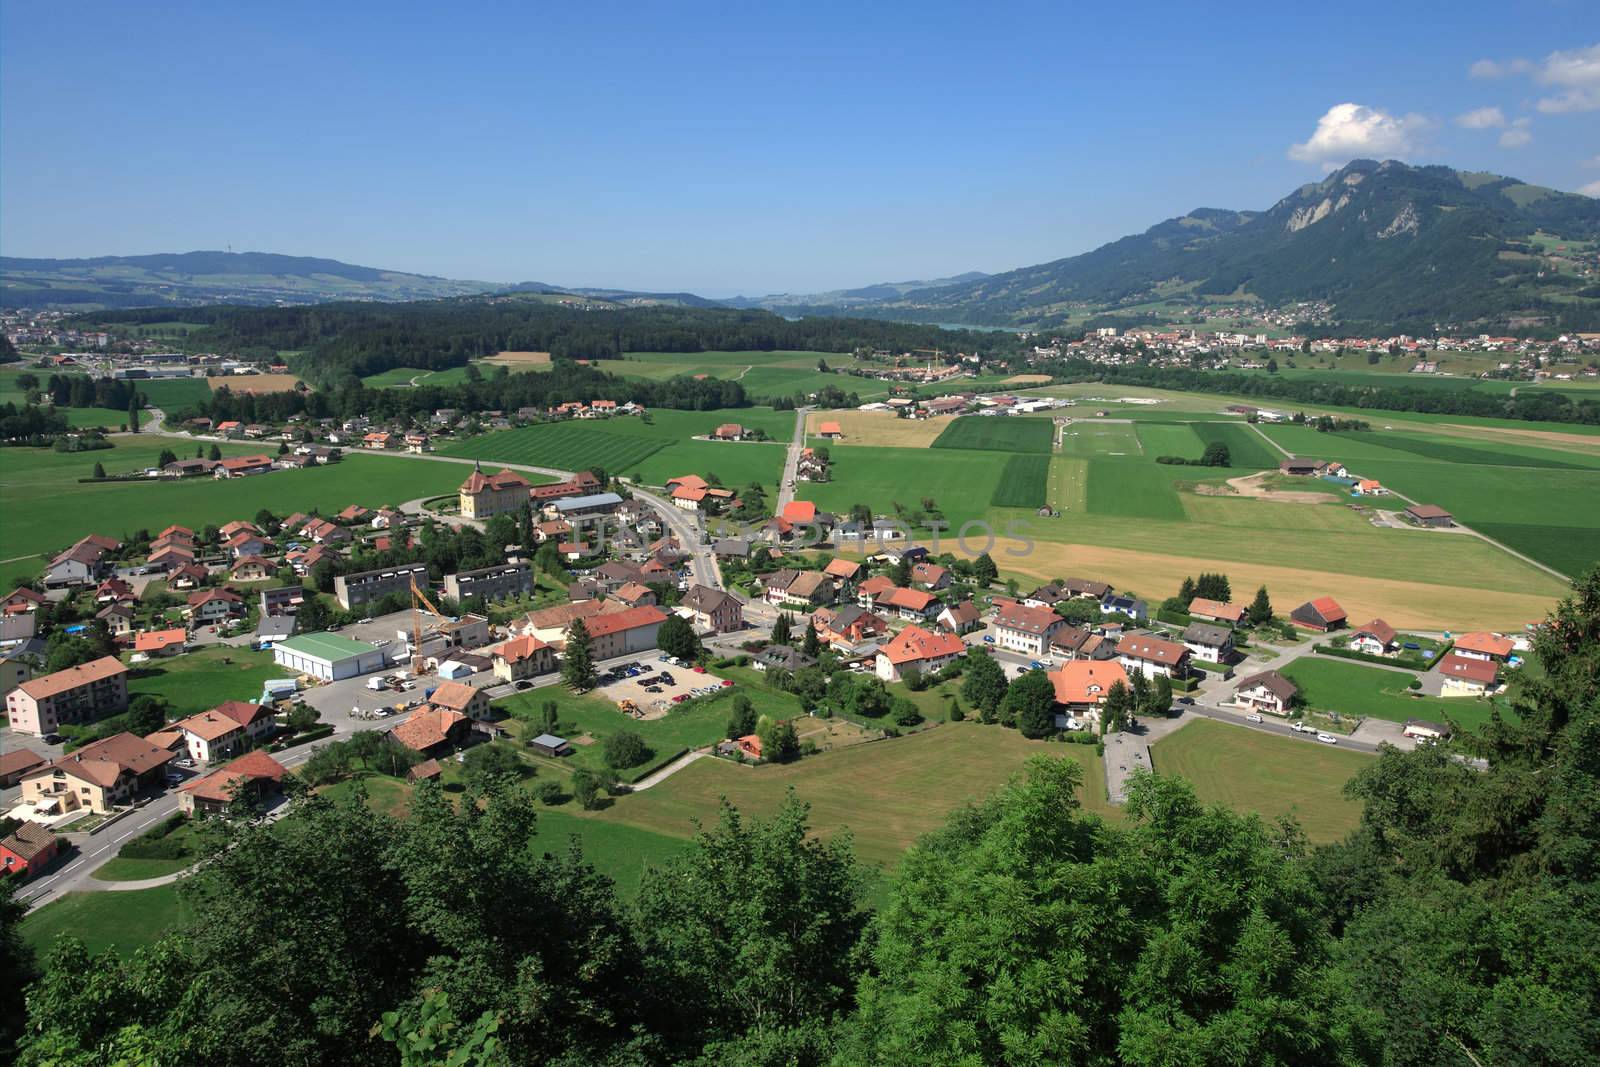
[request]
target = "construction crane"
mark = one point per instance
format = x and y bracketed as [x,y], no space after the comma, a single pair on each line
[445,625]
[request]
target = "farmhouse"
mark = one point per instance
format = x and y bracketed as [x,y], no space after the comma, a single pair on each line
[255,776]
[1268,691]
[1051,594]
[1082,686]
[328,656]
[1467,677]
[917,648]
[912,604]
[243,467]
[161,642]
[78,694]
[1209,643]
[99,776]
[432,732]
[1376,638]
[1322,614]
[1153,656]
[1483,646]
[522,657]
[831,431]
[1431,515]
[1028,630]
[482,495]
[728,431]
[1311,468]
[961,618]
[1216,611]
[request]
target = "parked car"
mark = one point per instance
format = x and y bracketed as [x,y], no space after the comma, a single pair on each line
[1035,665]
[988,639]
[1186,700]
[1253,717]
[1327,739]
[699,669]
[652,689]
[680,698]
[726,682]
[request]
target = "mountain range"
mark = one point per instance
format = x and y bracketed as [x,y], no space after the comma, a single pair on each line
[1387,245]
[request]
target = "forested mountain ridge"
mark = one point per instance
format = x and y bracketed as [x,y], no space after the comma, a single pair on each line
[210,277]
[1390,245]
[336,342]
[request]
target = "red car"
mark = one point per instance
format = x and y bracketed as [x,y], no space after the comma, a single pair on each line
[699,670]
[680,698]
[727,682]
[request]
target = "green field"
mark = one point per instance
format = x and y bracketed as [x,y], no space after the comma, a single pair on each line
[1272,776]
[887,794]
[1023,483]
[1117,439]
[169,394]
[997,435]
[124,920]
[62,509]
[660,448]
[1170,439]
[696,724]
[620,852]
[961,483]
[1134,490]
[197,681]
[1354,689]
[762,374]
[563,445]
[1246,449]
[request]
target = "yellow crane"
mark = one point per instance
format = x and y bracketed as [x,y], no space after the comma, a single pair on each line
[445,625]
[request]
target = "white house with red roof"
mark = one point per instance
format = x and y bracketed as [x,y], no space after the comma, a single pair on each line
[914,647]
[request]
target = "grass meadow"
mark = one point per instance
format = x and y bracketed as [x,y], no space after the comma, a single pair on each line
[1374,692]
[1271,776]
[62,509]
[197,681]
[997,435]
[1024,482]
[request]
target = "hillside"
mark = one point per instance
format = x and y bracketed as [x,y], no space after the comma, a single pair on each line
[867,294]
[1390,245]
[210,278]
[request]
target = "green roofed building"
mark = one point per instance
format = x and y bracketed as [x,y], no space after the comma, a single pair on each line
[328,656]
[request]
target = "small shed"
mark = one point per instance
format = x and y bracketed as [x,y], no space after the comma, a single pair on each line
[550,745]
[427,770]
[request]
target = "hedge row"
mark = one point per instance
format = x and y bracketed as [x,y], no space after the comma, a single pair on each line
[1413,662]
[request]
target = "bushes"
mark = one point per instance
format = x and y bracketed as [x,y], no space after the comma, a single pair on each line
[162,841]
[1413,662]
[625,749]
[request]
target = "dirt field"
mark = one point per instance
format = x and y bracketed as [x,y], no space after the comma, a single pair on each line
[1026,379]
[1250,485]
[1407,605]
[518,357]
[878,428]
[1576,442]
[255,383]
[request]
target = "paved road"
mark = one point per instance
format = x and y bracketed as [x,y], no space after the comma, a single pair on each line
[791,462]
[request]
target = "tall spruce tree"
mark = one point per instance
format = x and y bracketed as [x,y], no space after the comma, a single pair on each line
[577,662]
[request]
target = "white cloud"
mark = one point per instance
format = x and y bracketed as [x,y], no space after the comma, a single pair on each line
[1489,68]
[1592,189]
[1574,73]
[1483,118]
[1593,161]
[1347,131]
[1518,135]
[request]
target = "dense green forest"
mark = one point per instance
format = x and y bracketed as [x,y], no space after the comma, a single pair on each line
[1534,405]
[335,342]
[1456,926]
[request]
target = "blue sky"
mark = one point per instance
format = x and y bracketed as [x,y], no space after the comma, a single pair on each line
[743,147]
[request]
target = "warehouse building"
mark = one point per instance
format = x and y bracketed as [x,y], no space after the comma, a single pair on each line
[328,656]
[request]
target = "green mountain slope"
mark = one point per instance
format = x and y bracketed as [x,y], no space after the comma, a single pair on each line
[1388,244]
[210,277]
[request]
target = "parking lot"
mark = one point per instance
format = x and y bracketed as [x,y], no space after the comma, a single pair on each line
[645,683]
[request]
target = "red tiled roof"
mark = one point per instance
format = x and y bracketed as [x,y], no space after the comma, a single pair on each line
[800,511]
[914,644]
[520,648]
[1085,681]
[1485,643]
[1027,620]
[1379,629]
[624,620]
[427,728]
[159,640]
[1481,671]
[1152,649]
[1216,609]
[61,681]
